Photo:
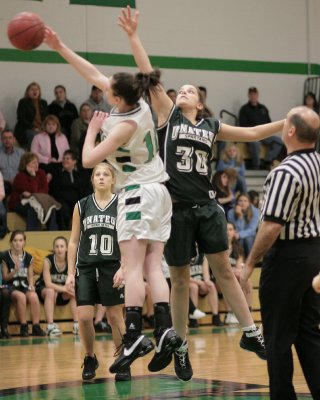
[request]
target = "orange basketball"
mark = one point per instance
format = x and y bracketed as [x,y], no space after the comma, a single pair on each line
[26,31]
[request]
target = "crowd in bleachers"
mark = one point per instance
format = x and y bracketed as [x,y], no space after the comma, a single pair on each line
[42,178]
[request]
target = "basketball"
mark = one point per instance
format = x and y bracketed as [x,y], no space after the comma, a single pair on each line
[26,31]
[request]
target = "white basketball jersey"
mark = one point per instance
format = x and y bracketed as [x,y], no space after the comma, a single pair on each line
[138,161]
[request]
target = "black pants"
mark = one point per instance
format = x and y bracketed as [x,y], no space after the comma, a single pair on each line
[5,300]
[290,312]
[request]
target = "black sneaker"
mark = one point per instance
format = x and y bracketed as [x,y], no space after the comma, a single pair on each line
[193,323]
[216,321]
[124,375]
[24,330]
[129,351]
[90,364]
[37,331]
[182,365]
[5,333]
[253,341]
[167,342]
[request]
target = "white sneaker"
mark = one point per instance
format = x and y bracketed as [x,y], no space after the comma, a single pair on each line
[53,330]
[197,314]
[75,329]
[231,319]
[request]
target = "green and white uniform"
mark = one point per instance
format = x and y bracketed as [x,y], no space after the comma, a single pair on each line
[98,254]
[144,208]
[187,153]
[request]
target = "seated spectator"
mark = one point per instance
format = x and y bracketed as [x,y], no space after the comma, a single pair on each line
[3,210]
[172,93]
[207,113]
[97,101]
[222,182]
[50,145]
[254,113]
[232,158]
[310,101]
[79,128]
[254,198]
[51,287]
[4,306]
[3,123]
[63,109]
[67,188]
[245,217]
[31,112]
[236,257]
[202,285]
[17,274]
[10,156]
[30,180]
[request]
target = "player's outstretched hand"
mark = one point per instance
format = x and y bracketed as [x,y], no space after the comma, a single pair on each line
[51,38]
[128,22]
[96,121]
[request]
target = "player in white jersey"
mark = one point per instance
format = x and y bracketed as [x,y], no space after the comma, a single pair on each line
[144,209]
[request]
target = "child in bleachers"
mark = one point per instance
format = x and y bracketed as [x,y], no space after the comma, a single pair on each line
[51,287]
[202,285]
[236,257]
[17,273]
[245,217]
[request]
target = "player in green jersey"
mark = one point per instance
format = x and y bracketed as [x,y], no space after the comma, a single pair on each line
[129,143]
[186,140]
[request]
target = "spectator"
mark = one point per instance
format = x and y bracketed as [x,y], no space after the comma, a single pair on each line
[79,128]
[254,198]
[172,93]
[4,306]
[236,257]
[232,158]
[51,288]
[31,112]
[10,156]
[30,180]
[202,285]
[17,273]
[3,123]
[245,217]
[207,113]
[310,101]
[63,109]
[97,101]
[222,182]
[254,113]
[50,146]
[3,210]
[67,188]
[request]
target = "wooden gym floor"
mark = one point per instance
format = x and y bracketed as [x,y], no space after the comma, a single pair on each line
[50,368]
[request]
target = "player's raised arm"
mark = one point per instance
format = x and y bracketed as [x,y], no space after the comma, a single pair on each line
[82,66]
[161,103]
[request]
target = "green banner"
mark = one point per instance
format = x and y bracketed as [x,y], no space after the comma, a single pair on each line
[105,3]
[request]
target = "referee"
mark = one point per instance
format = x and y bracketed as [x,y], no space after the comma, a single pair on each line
[289,242]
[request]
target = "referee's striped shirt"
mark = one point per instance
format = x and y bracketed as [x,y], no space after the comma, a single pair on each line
[292,195]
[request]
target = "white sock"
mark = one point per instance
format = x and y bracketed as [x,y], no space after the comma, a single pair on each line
[249,328]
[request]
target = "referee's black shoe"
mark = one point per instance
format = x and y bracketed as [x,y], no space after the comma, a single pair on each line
[167,342]
[253,341]
[90,364]
[129,351]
